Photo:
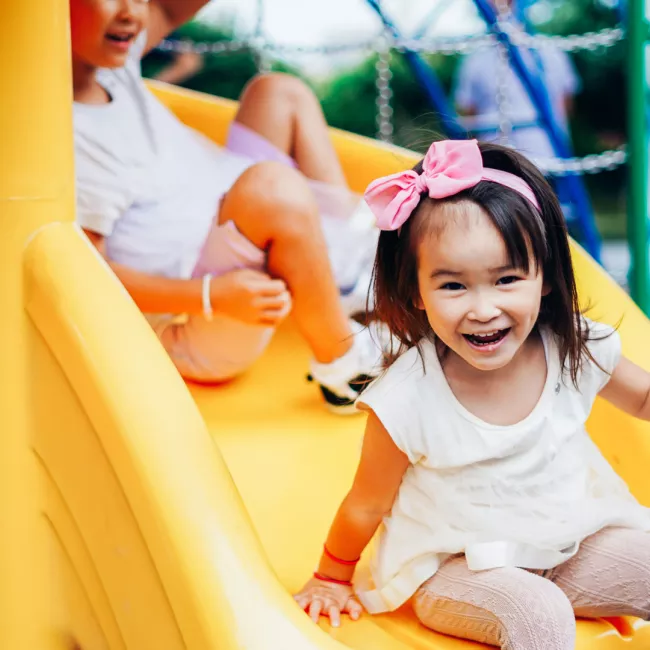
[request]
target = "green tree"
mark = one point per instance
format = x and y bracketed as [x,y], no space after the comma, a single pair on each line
[349,100]
[224,74]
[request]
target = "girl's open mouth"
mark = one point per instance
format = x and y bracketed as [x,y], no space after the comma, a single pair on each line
[121,41]
[487,342]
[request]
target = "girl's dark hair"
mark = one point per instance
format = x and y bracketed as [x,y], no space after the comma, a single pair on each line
[525,231]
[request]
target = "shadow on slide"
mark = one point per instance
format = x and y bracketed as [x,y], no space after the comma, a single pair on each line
[179,527]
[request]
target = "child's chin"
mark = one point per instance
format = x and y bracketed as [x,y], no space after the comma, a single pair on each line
[494,361]
[109,58]
[115,61]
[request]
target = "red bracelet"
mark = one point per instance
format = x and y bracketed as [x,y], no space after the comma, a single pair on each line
[319,576]
[338,560]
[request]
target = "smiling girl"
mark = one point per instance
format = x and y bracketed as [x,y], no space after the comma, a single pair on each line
[499,516]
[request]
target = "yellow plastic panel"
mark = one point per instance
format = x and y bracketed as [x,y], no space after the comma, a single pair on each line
[36,187]
[139,497]
[77,622]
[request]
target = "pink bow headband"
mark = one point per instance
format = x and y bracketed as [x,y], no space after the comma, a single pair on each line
[449,167]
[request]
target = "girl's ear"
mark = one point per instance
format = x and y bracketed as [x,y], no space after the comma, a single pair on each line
[546,289]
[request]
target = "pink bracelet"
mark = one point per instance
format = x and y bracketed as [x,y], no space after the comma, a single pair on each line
[338,560]
[323,578]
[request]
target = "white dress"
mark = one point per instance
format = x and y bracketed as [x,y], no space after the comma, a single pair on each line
[522,495]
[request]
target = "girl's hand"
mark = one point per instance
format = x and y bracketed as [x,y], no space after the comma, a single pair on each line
[319,597]
[251,296]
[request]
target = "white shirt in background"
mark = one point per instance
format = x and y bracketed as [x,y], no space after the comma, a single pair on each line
[146,182]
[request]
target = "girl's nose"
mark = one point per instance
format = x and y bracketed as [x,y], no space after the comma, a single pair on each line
[130,8]
[483,309]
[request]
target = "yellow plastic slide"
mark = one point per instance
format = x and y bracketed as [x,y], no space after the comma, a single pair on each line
[130,519]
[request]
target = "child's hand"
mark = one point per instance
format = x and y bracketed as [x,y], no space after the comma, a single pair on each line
[318,597]
[251,296]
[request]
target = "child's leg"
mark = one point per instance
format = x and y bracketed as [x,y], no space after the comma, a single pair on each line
[282,109]
[512,609]
[280,119]
[609,576]
[272,206]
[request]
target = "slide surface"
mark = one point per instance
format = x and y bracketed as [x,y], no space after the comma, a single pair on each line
[175,531]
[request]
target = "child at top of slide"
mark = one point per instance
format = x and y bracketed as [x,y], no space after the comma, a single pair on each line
[501,518]
[217,245]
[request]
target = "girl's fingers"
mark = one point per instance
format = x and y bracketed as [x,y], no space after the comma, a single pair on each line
[274,316]
[272,287]
[274,302]
[272,319]
[315,609]
[302,600]
[334,615]
[354,609]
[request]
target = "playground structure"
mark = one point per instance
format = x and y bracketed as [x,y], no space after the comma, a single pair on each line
[511,39]
[136,514]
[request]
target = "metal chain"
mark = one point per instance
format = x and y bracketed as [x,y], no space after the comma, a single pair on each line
[369,45]
[589,41]
[458,45]
[502,95]
[447,46]
[258,43]
[202,48]
[591,164]
[503,82]
[383,78]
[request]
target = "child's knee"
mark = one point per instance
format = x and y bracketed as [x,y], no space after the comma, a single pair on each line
[549,611]
[276,86]
[509,611]
[271,200]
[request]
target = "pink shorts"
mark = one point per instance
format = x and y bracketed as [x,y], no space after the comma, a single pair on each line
[217,350]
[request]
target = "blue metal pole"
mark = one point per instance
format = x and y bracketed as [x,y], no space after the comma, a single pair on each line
[539,97]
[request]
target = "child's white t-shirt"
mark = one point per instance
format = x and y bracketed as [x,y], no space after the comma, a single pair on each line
[145,181]
[523,495]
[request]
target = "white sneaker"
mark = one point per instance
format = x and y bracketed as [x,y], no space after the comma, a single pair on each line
[345,378]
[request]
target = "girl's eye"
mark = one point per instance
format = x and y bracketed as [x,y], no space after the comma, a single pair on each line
[453,286]
[508,279]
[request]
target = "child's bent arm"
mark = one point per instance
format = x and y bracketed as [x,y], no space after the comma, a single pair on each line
[373,492]
[166,15]
[629,389]
[371,497]
[245,294]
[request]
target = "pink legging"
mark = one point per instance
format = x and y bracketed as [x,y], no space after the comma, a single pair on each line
[516,609]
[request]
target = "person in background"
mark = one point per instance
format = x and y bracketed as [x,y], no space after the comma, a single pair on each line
[479,82]
[217,245]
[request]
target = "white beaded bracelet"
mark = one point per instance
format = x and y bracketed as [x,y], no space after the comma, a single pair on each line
[205,294]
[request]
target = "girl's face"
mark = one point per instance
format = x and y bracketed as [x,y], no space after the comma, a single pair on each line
[477,304]
[103,31]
